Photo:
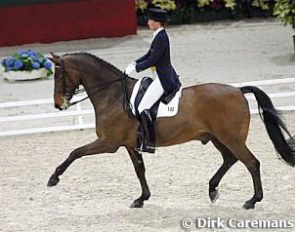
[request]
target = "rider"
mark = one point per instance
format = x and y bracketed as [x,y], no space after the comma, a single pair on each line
[166,81]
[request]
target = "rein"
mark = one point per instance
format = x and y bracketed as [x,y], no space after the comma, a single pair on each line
[124,84]
[99,88]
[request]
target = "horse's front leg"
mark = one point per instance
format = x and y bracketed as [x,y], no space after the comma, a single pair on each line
[96,147]
[138,163]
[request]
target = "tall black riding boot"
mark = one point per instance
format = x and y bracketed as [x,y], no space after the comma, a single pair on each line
[149,138]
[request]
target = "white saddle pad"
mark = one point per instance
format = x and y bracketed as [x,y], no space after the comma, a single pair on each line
[164,110]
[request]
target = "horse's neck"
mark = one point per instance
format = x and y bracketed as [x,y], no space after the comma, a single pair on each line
[105,93]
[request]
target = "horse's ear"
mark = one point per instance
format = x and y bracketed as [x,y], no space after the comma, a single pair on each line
[55,58]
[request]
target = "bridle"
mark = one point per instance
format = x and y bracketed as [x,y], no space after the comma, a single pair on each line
[67,94]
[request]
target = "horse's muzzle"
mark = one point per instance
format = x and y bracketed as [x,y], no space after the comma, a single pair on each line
[57,107]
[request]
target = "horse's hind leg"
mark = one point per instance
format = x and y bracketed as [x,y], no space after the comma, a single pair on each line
[138,163]
[243,154]
[228,161]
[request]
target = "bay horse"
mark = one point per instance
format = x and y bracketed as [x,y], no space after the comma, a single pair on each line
[208,112]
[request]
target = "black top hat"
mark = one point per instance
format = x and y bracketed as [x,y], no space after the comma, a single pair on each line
[157,14]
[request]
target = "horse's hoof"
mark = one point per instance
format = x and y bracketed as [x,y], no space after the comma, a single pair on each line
[214,196]
[249,205]
[136,204]
[53,180]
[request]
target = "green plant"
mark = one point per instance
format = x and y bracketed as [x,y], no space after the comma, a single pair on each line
[168,5]
[284,10]
[141,5]
[230,4]
[262,4]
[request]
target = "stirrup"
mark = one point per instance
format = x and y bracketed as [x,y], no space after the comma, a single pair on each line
[149,149]
[141,143]
[146,148]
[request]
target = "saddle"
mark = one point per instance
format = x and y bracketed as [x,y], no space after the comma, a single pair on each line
[166,106]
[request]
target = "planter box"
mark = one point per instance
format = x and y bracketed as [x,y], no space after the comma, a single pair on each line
[25,75]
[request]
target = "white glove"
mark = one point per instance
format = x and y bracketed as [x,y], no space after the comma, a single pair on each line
[130,68]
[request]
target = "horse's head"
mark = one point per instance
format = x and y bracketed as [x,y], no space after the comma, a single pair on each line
[66,81]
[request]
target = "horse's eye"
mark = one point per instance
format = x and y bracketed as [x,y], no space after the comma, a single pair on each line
[67,95]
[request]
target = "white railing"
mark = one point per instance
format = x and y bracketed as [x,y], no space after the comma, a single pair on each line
[266,82]
[79,113]
[271,95]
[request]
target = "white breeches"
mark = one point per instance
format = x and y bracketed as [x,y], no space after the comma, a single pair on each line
[153,93]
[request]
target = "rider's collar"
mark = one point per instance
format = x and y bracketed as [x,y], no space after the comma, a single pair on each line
[157,31]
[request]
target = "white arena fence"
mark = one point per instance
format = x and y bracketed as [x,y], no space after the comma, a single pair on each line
[79,114]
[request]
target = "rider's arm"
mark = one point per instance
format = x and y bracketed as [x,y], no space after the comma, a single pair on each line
[155,53]
[143,57]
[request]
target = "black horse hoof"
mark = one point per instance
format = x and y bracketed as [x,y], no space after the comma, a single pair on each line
[214,196]
[53,180]
[136,204]
[249,205]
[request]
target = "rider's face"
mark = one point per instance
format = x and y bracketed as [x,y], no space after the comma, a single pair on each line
[153,25]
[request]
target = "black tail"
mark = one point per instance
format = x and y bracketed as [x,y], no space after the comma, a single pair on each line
[291,143]
[274,125]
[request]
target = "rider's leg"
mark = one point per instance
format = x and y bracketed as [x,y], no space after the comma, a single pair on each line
[153,94]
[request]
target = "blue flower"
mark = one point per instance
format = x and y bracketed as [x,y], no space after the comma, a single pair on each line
[17,65]
[34,57]
[35,65]
[32,53]
[48,64]
[24,52]
[27,52]
[9,61]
